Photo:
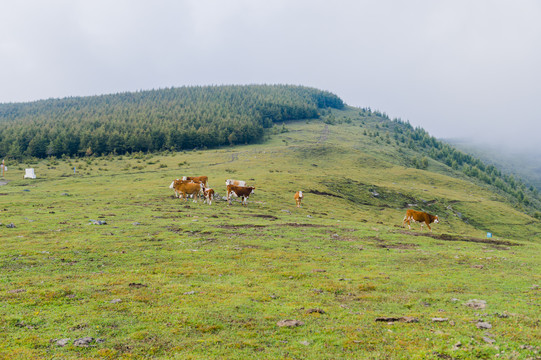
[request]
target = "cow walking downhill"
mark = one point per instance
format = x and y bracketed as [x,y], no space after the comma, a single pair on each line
[420,217]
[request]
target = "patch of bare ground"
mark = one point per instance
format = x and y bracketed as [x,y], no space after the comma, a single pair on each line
[264,216]
[303,225]
[450,237]
[240,226]
[317,192]
[398,246]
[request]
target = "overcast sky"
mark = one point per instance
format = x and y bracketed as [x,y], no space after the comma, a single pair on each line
[457,68]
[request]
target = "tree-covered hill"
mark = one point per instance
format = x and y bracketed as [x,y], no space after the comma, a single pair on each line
[165,119]
[212,116]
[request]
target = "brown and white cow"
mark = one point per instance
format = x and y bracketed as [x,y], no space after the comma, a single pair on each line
[420,217]
[241,191]
[209,195]
[235,182]
[178,181]
[200,179]
[298,198]
[185,188]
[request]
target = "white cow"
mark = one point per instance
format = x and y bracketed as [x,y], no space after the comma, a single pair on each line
[235,182]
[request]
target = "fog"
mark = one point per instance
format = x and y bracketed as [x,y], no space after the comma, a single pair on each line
[459,69]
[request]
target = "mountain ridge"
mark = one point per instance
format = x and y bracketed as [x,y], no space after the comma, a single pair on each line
[185,118]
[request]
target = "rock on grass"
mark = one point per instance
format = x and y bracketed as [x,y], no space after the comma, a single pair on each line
[289,323]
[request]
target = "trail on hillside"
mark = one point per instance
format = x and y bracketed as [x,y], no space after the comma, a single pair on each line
[324,134]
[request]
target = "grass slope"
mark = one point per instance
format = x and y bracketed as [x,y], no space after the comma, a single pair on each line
[177,280]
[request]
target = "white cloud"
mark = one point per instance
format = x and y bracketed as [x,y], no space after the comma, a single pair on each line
[456,68]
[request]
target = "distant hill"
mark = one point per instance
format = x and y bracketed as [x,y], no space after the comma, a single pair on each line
[213,116]
[167,119]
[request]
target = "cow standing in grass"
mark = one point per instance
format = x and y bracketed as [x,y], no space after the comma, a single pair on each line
[298,198]
[185,188]
[176,183]
[209,195]
[420,217]
[241,191]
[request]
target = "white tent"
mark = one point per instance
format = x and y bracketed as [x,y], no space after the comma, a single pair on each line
[29,174]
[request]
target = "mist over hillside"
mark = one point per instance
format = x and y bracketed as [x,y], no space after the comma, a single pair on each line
[512,159]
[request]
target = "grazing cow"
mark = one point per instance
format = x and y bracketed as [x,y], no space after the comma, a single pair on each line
[420,217]
[201,179]
[178,181]
[240,191]
[235,182]
[172,186]
[209,195]
[185,188]
[298,198]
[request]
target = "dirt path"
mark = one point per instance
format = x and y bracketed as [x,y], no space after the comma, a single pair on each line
[324,134]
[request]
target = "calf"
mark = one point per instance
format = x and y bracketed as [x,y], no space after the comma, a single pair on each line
[209,195]
[241,191]
[298,198]
[421,217]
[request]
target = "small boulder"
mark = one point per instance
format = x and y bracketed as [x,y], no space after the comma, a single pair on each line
[483,325]
[85,342]
[289,323]
[311,311]
[98,222]
[440,319]
[62,342]
[476,304]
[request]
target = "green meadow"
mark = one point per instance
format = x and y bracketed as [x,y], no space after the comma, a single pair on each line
[164,278]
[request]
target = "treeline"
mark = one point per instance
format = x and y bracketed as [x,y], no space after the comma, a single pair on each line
[155,120]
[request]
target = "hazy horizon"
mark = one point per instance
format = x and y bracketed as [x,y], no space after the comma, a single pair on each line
[458,69]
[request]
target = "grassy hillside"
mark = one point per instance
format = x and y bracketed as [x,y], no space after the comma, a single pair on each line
[170,279]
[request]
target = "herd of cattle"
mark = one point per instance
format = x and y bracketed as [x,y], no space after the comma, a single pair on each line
[197,186]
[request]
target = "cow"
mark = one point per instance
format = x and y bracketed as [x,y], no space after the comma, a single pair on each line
[172,186]
[178,181]
[420,217]
[202,179]
[240,191]
[298,198]
[235,182]
[209,195]
[185,188]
